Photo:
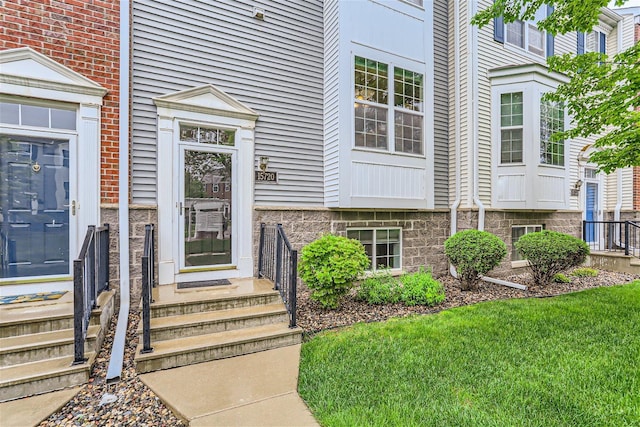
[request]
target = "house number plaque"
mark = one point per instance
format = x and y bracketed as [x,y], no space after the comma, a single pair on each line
[264,176]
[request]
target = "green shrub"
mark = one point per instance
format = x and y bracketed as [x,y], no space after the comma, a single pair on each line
[561,278]
[421,288]
[550,252]
[474,253]
[585,272]
[379,288]
[329,265]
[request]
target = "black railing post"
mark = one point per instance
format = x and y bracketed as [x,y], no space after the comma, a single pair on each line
[148,278]
[78,310]
[105,253]
[293,277]
[584,230]
[261,250]
[626,237]
[278,257]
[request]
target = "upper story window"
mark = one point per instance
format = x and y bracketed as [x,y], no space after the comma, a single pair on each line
[511,124]
[373,106]
[416,2]
[551,121]
[594,41]
[526,34]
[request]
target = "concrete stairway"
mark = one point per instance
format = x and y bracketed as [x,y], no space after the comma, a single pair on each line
[36,345]
[197,325]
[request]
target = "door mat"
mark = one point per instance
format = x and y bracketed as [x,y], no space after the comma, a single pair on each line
[42,296]
[203,284]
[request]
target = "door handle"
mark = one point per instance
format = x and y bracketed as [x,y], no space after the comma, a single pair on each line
[73,207]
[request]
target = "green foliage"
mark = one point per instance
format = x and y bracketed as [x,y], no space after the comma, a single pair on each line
[561,278]
[577,365]
[421,288]
[602,93]
[418,288]
[379,288]
[585,272]
[550,252]
[329,265]
[474,253]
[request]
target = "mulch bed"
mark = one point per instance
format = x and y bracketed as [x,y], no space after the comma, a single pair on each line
[312,318]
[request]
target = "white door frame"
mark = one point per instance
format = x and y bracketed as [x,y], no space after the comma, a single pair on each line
[208,107]
[598,180]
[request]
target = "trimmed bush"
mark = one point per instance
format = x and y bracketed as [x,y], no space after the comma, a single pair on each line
[379,288]
[474,253]
[561,278]
[421,288]
[329,266]
[550,253]
[585,272]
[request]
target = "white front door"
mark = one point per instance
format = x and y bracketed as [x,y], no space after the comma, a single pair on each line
[206,234]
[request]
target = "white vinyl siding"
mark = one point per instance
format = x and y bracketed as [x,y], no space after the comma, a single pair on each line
[440,104]
[273,66]
[331,98]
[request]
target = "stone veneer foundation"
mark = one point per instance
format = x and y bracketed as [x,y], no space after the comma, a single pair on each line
[139,216]
[423,232]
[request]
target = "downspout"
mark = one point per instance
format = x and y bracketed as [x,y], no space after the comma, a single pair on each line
[476,146]
[117,351]
[456,126]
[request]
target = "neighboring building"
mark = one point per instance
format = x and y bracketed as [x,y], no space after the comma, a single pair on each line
[59,112]
[366,131]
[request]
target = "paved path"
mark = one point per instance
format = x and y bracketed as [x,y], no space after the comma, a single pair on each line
[258,389]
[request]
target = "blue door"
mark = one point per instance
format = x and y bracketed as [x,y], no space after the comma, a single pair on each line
[591,210]
[34,206]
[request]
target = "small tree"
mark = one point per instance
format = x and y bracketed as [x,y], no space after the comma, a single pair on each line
[330,265]
[474,253]
[550,253]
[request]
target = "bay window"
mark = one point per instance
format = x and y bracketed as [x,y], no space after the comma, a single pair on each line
[511,127]
[551,121]
[373,106]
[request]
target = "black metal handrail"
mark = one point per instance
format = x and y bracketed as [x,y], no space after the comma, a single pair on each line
[90,278]
[148,283]
[612,236]
[278,262]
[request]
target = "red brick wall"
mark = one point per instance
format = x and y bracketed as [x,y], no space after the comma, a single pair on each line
[84,36]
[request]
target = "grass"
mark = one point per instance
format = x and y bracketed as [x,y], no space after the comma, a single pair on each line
[572,360]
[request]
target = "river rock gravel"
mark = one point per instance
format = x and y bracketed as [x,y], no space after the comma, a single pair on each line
[131,403]
[313,318]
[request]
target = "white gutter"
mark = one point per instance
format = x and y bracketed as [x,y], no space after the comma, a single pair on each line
[456,130]
[117,351]
[475,141]
[618,208]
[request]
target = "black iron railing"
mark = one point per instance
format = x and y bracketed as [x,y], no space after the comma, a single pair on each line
[90,278]
[278,262]
[148,283]
[612,236]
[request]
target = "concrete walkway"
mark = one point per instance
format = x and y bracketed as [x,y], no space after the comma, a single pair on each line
[31,411]
[258,389]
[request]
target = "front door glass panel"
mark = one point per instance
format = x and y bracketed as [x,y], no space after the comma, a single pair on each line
[34,206]
[591,210]
[207,208]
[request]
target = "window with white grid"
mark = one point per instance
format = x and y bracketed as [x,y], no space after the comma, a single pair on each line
[511,128]
[551,121]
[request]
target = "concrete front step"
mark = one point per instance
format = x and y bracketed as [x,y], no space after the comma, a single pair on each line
[213,303]
[187,325]
[43,346]
[207,347]
[43,376]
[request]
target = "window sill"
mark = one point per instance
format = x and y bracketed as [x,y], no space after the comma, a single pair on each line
[391,153]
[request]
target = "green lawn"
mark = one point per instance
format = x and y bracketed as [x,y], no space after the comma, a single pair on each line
[572,360]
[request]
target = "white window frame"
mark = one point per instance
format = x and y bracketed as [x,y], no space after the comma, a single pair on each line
[593,37]
[374,243]
[512,127]
[526,31]
[390,108]
[529,228]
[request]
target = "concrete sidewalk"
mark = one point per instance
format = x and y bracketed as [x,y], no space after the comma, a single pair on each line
[258,389]
[31,411]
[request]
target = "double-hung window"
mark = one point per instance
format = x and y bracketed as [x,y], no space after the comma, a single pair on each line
[382,246]
[526,34]
[551,121]
[511,125]
[383,91]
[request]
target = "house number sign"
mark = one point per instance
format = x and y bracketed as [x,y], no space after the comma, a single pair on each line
[264,176]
